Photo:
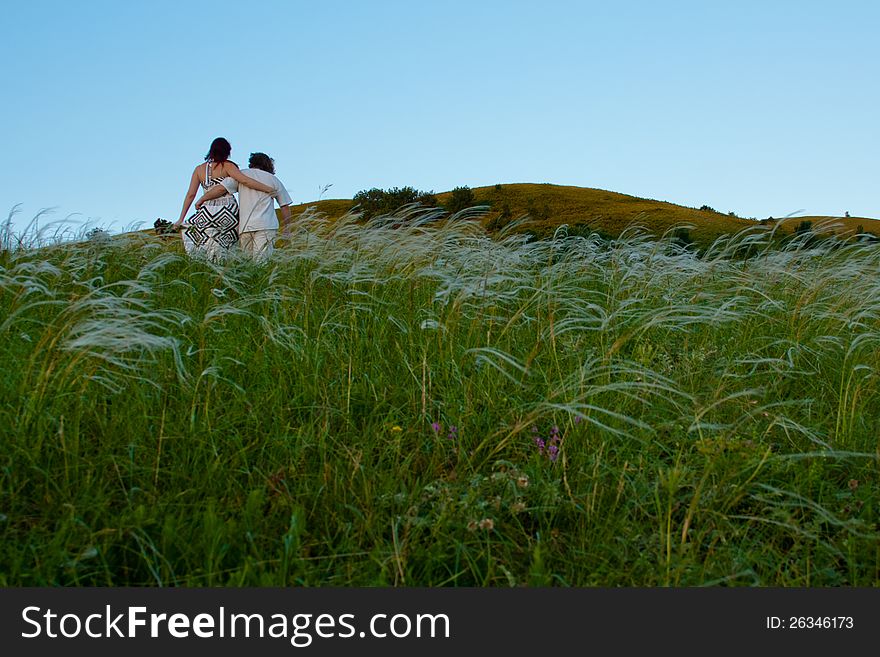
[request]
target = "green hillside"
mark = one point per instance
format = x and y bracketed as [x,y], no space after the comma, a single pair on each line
[550,206]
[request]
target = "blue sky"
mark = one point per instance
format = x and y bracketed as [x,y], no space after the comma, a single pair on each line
[762,108]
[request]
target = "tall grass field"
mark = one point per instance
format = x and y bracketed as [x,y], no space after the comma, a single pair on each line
[415,403]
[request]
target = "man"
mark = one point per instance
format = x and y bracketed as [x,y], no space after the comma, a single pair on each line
[257,222]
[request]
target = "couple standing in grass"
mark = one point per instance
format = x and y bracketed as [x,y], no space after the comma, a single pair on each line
[222,223]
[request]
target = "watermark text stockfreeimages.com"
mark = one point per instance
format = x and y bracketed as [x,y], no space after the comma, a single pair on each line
[300,629]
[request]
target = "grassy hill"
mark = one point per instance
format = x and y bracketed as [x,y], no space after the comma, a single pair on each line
[550,206]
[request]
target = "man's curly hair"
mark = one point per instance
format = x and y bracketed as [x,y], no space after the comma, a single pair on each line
[262,161]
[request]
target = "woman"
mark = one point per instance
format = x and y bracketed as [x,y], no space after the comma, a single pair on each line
[213,230]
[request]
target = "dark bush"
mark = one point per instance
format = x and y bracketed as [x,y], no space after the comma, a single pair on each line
[706,208]
[804,227]
[462,197]
[377,202]
[537,212]
[500,221]
[804,233]
[164,227]
[682,237]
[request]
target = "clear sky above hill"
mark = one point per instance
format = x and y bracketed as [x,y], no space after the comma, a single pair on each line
[762,108]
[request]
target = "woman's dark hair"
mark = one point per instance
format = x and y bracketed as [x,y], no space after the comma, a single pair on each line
[219,151]
[262,161]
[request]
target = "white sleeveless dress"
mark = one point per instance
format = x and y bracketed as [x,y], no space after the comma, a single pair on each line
[213,229]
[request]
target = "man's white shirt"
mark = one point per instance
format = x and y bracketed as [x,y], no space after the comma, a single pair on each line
[257,209]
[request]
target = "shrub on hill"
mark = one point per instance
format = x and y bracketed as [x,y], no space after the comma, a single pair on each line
[503,218]
[707,208]
[804,227]
[804,233]
[462,197]
[682,237]
[377,202]
[538,212]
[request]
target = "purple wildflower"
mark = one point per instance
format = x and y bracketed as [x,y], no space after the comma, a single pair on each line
[577,419]
[436,427]
[453,432]
[549,446]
